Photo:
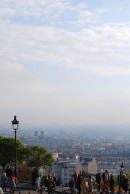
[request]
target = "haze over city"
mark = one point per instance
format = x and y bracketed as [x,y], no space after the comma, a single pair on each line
[65,63]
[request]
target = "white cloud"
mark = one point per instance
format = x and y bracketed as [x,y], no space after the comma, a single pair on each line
[99,48]
[92,49]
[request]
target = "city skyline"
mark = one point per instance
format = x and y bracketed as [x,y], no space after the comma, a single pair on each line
[65,62]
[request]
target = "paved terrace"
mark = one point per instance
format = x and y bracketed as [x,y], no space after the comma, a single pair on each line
[25,188]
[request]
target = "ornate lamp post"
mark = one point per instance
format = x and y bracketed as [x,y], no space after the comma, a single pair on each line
[122,167]
[15,125]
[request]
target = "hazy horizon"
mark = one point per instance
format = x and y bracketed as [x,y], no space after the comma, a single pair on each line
[116,127]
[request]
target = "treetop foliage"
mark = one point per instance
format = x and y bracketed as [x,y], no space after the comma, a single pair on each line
[32,156]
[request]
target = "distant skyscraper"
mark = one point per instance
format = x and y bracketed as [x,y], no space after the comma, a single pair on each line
[36,133]
[41,138]
[42,133]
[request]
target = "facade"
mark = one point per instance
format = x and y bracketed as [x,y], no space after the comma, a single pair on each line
[69,170]
[63,170]
[92,167]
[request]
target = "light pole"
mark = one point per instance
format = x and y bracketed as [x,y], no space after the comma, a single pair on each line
[122,167]
[15,125]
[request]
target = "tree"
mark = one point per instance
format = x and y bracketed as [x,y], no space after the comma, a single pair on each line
[33,156]
[7,151]
[38,157]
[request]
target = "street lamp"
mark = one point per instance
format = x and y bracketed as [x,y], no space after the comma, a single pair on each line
[15,125]
[122,167]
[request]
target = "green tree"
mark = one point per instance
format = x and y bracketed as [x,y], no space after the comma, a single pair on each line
[7,151]
[38,157]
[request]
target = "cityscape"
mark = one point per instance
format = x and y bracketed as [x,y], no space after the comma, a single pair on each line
[74,151]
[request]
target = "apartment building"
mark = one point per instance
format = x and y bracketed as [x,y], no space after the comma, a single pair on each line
[63,170]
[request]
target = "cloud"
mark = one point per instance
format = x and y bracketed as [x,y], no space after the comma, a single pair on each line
[102,48]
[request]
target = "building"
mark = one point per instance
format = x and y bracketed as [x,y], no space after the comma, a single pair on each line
[63,170]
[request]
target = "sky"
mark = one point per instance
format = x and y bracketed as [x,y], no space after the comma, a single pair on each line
[65,62]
